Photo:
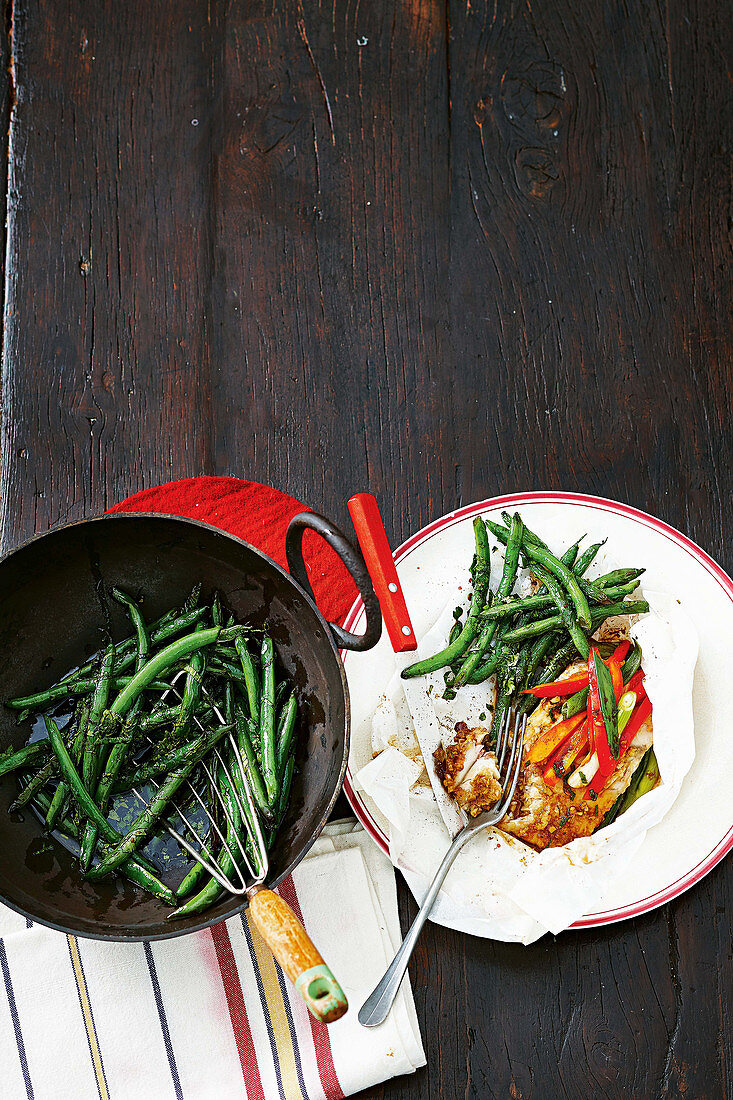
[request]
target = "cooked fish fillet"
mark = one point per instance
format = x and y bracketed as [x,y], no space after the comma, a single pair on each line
[548,816]
[468,770]
[541,815]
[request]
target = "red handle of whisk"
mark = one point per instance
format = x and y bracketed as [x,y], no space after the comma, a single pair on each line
[374,545]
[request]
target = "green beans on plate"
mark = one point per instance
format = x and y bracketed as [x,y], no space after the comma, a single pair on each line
[523,638]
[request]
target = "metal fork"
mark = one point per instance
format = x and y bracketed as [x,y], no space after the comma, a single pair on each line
[376,1007]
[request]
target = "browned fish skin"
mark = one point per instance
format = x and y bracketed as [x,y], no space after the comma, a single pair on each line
[468,770]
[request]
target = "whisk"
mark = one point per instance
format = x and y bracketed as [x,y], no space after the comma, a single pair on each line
[200,849]
[274,919]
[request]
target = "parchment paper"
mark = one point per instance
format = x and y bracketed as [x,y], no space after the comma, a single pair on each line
[499,887]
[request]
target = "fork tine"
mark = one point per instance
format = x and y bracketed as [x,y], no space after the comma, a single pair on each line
[515,764]
[503,738]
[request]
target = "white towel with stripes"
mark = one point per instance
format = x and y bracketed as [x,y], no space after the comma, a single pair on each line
[209,1015]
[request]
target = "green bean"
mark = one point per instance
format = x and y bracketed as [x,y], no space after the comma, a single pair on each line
[249,814]
[282,805]
[165,633]
[162,660]
[566,613]
[192,880]
[89,808]
[92,759]
[43,776]
[509,575]
[281,690]
[620,576]
[575,703]
[148,818]
[538,651]
[77,687]
[22,757]
[217,667]
[244,743]
[285,732]
[150,769]
[598,616]
[216,610]
[159,717]
[540,555]
[99,703]
[104,787]
[480,588]
[81,795]
[267,721]
[141,630]
[231,633]
[632,663]
[489,666]
[587,558]
[508,518]
[503,699]
[558,663]
[191,693]
[613,586]
[167,626]
[644,780]
[61,794]
[251,678]
[568,558]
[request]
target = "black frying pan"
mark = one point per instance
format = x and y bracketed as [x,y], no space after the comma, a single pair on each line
[55,611]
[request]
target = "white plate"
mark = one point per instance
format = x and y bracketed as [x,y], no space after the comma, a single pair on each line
[698,831]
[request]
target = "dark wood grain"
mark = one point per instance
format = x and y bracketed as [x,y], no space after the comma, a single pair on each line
[441,250]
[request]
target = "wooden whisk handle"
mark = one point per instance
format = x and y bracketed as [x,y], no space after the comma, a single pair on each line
[294,950]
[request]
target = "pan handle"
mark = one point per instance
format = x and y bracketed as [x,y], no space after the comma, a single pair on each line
[294,950]
[353,561]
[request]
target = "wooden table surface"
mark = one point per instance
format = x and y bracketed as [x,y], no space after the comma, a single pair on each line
[441,249]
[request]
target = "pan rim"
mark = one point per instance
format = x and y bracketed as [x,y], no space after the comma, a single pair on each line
[133,936]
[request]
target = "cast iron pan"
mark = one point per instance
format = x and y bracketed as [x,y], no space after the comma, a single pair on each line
[55,611]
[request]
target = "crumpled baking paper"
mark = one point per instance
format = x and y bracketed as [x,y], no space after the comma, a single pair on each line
[499,887]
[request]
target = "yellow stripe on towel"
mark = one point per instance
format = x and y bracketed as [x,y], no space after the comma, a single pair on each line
[86,1009]
[276,1008]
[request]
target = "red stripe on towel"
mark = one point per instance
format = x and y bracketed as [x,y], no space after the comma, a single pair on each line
[237,1011]
[321,1041]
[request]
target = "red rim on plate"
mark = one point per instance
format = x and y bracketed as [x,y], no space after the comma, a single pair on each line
[724,845]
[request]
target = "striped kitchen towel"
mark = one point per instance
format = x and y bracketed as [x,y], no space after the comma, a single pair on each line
[210,1014]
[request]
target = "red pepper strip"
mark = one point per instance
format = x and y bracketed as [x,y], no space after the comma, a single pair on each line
[634,724]
[579,680]
[560,687]
[620,652]
[614,667]
[566,754]
[548,741]
[596,724]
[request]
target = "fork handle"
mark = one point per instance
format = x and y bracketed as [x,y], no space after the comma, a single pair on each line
[376,1007]
[294,950]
